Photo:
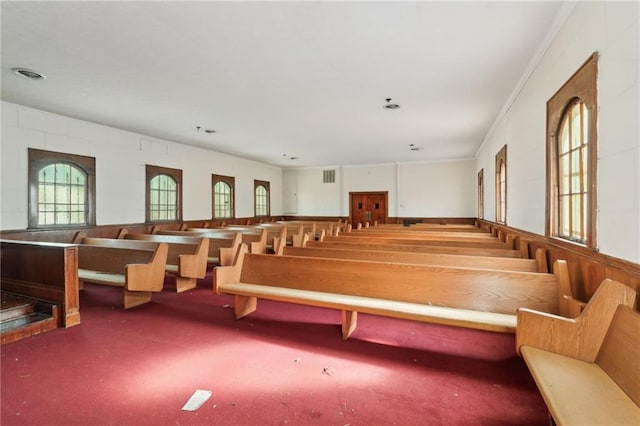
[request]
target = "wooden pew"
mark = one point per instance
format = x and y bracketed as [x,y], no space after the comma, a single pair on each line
[139,272]
[294,234]
[493,243]
[412,233]
[256,239]
[45,271]
[482,299]
[588,368]
[186,259]
[468,251]
[222,245]
[430,227]
[539,264]
[329,226]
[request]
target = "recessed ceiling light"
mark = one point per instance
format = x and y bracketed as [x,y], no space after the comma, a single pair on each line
[27,73]
[389,105]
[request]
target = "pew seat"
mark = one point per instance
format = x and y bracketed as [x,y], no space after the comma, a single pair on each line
[587,369]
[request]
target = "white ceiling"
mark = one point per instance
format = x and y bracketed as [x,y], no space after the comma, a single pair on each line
[280,79]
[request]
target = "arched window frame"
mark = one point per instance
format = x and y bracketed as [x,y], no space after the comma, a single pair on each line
[176,175]
[581,88]
[216,209]
[501,185]
[39,159]
[262,204]
[481,194]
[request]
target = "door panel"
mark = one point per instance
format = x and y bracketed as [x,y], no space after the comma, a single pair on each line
[368,207]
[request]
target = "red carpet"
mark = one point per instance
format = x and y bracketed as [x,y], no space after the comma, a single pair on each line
[284,364]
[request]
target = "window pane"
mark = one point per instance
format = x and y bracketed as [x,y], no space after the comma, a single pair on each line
[59,195]
[47,174]
[585,123]
[585,168]
[576,211]
[575,171]
[564,216]
[576,126]
[564,138]
[163,198]
[564,174]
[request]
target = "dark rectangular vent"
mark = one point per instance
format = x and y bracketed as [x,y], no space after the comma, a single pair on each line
[328,176]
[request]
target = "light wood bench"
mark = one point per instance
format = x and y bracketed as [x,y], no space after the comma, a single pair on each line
[45,271]
[223,245]
[492,243]
[588,368]
[468,251]
[256,239]
[294,233]
[428,227]
[426,235]
[539,264]
[139,272]
[328,226]
[481,299]
[186,259]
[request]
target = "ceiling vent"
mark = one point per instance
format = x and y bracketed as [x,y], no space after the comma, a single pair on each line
[27,73]
[389,105]
[328,176]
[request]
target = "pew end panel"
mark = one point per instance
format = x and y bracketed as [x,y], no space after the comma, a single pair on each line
[230,273]
[579,337]
[192,267]
[228,254]
[568,306]
[148,276]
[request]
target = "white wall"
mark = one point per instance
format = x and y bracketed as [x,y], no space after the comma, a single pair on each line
[612,29]
[120,168]
[433,189]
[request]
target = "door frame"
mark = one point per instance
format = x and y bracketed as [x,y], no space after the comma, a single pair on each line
[358,193]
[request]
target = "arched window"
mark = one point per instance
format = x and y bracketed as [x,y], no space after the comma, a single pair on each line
[573,172]
[571,157]
[481,194]
[223,196]
[62,189]
[164,194]
[501,185]
[261,191]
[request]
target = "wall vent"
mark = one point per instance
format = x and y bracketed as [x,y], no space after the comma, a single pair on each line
[328,176]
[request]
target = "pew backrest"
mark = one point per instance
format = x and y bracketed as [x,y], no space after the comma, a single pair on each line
[469,251]
[452,260]
[478,243]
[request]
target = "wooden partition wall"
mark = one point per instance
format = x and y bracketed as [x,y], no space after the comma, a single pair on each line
[587,268]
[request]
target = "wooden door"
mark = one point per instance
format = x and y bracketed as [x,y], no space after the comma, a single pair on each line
[368,207]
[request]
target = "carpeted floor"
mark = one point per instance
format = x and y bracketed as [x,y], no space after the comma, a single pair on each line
[284,364]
